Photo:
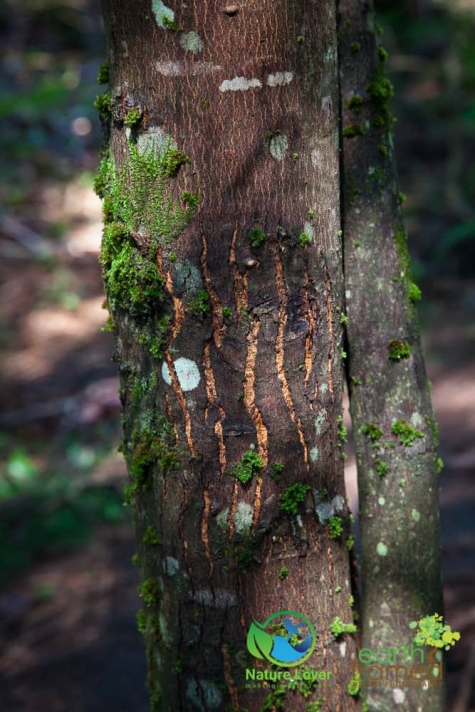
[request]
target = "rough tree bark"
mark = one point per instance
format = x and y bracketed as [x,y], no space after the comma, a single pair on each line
[223,270]
[394,427]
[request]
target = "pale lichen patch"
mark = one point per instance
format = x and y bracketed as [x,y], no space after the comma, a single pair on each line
[382,549]
[325,510]
[278,147]
[187,373]
[164,15]
[313,454]
[192,42]
[240,84]
[243,518]
[415,515]
[176,68]
[279,78]
[170,566]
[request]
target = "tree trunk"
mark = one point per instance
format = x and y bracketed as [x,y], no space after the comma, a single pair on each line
[223,271]
[394,427]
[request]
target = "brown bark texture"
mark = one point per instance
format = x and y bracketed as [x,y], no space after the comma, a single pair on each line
[394,428]
[222,261]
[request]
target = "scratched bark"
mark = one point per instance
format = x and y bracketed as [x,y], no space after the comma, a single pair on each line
[252,99]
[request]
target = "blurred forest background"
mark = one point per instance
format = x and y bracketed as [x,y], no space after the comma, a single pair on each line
[68,589]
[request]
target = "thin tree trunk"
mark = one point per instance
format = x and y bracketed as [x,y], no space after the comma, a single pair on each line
[223,272]
[394,427]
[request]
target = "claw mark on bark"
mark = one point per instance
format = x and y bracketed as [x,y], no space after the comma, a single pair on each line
[280,352]
[181,400]
[240,280]
[254,412]
[216,306]
[212,394]
[204,529]
[308,358]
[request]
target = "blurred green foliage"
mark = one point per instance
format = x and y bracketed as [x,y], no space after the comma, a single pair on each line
[44,512]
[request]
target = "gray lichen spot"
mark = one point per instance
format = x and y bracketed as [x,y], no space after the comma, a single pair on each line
[154,139]
[187,373]
[179,67]
[308,231]
[330,54]
[381,501]
[240,84]
[320,420]
[415,515]
[243,518]
[217,598]
[170,566]
[163,14]
[416,419]
[192,42]
[343,649]
[313,454]
[187,278]
[278,147]
[279,78]
[222,519]
[204,695]
[325,510]
[382,549]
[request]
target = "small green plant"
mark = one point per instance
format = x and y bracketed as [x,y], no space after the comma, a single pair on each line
[405,432]
[350,542]
[381,467]
[413,292]
[132,117]
[304,239]
[314,706]
[141,621]
[342,430]
[355,102]
[276,470]
[227,311]
[354,686]
[398,350]
[148,591]
[103,74]
[432,630]
[293,496]
[355,47]
[344,319]
[356,381]
[335,527]
[250,464]
[283,573]
[338,589]
[256,236]
[339,628]
[200,303]
[352,131]
[151,537]
[373,431]
[103,105]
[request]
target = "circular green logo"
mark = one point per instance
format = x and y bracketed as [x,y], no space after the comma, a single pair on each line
[281,639]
